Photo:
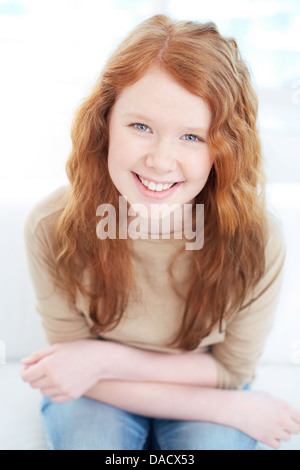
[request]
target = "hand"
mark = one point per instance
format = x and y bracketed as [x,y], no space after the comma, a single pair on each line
[265,418]
[65,371]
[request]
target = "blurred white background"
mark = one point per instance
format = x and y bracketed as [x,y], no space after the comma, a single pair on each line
[52,51]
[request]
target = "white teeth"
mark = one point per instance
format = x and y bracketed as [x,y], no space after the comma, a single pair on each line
[155,187]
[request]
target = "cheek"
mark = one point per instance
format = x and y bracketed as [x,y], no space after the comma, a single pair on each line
[116,158]
[199,168]
[122,152]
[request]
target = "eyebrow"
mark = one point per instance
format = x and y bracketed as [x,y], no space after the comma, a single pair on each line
[142,117]
[137,116]
[196,130]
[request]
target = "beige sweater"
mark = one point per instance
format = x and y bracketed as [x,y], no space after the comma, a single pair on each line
[152,322]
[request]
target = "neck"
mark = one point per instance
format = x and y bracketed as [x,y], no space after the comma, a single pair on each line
[165,224]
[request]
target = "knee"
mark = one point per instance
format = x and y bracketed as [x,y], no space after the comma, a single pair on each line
[85,424]
[194,435]
[217,437]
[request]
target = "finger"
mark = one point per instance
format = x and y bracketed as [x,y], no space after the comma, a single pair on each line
[50,391]
[37,355]
[296,416]
[33,373]
[43,383]
[275,444]
[285,436]
[293,427]
[60,398]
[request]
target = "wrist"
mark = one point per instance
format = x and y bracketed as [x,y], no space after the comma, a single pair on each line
[112,360]
[232,411]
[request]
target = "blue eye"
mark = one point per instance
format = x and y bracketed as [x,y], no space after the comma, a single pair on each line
[141,127]
[190,138]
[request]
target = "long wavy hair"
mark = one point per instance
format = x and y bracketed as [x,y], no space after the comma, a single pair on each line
[232,261]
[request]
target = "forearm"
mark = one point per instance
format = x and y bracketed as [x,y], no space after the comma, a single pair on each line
[132,364]
[166,401]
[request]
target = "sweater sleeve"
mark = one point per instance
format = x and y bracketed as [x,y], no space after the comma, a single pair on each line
[60,322]
[246,334]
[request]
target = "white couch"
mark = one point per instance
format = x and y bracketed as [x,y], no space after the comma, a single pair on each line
[21,332]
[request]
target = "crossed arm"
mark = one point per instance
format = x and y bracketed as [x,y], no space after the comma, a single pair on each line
[182,386]
[68,370]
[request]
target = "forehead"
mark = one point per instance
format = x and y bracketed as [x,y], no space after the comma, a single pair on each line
[159,95]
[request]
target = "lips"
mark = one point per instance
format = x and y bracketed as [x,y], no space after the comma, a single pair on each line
[142,177]
[153,186]
[154,194]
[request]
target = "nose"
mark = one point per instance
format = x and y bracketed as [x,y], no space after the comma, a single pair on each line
[162,157]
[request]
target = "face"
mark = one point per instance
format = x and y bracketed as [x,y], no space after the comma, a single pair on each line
[158,151]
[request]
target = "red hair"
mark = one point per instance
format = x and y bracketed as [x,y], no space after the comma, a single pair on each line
[232,260]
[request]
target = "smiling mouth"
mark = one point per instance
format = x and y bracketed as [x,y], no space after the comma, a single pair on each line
[155,187]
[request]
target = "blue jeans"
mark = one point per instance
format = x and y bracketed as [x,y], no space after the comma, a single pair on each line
[85,424]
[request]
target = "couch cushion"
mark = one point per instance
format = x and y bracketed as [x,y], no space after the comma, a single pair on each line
[21,422]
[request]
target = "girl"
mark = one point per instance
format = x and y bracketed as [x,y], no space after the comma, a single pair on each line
[152,345]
